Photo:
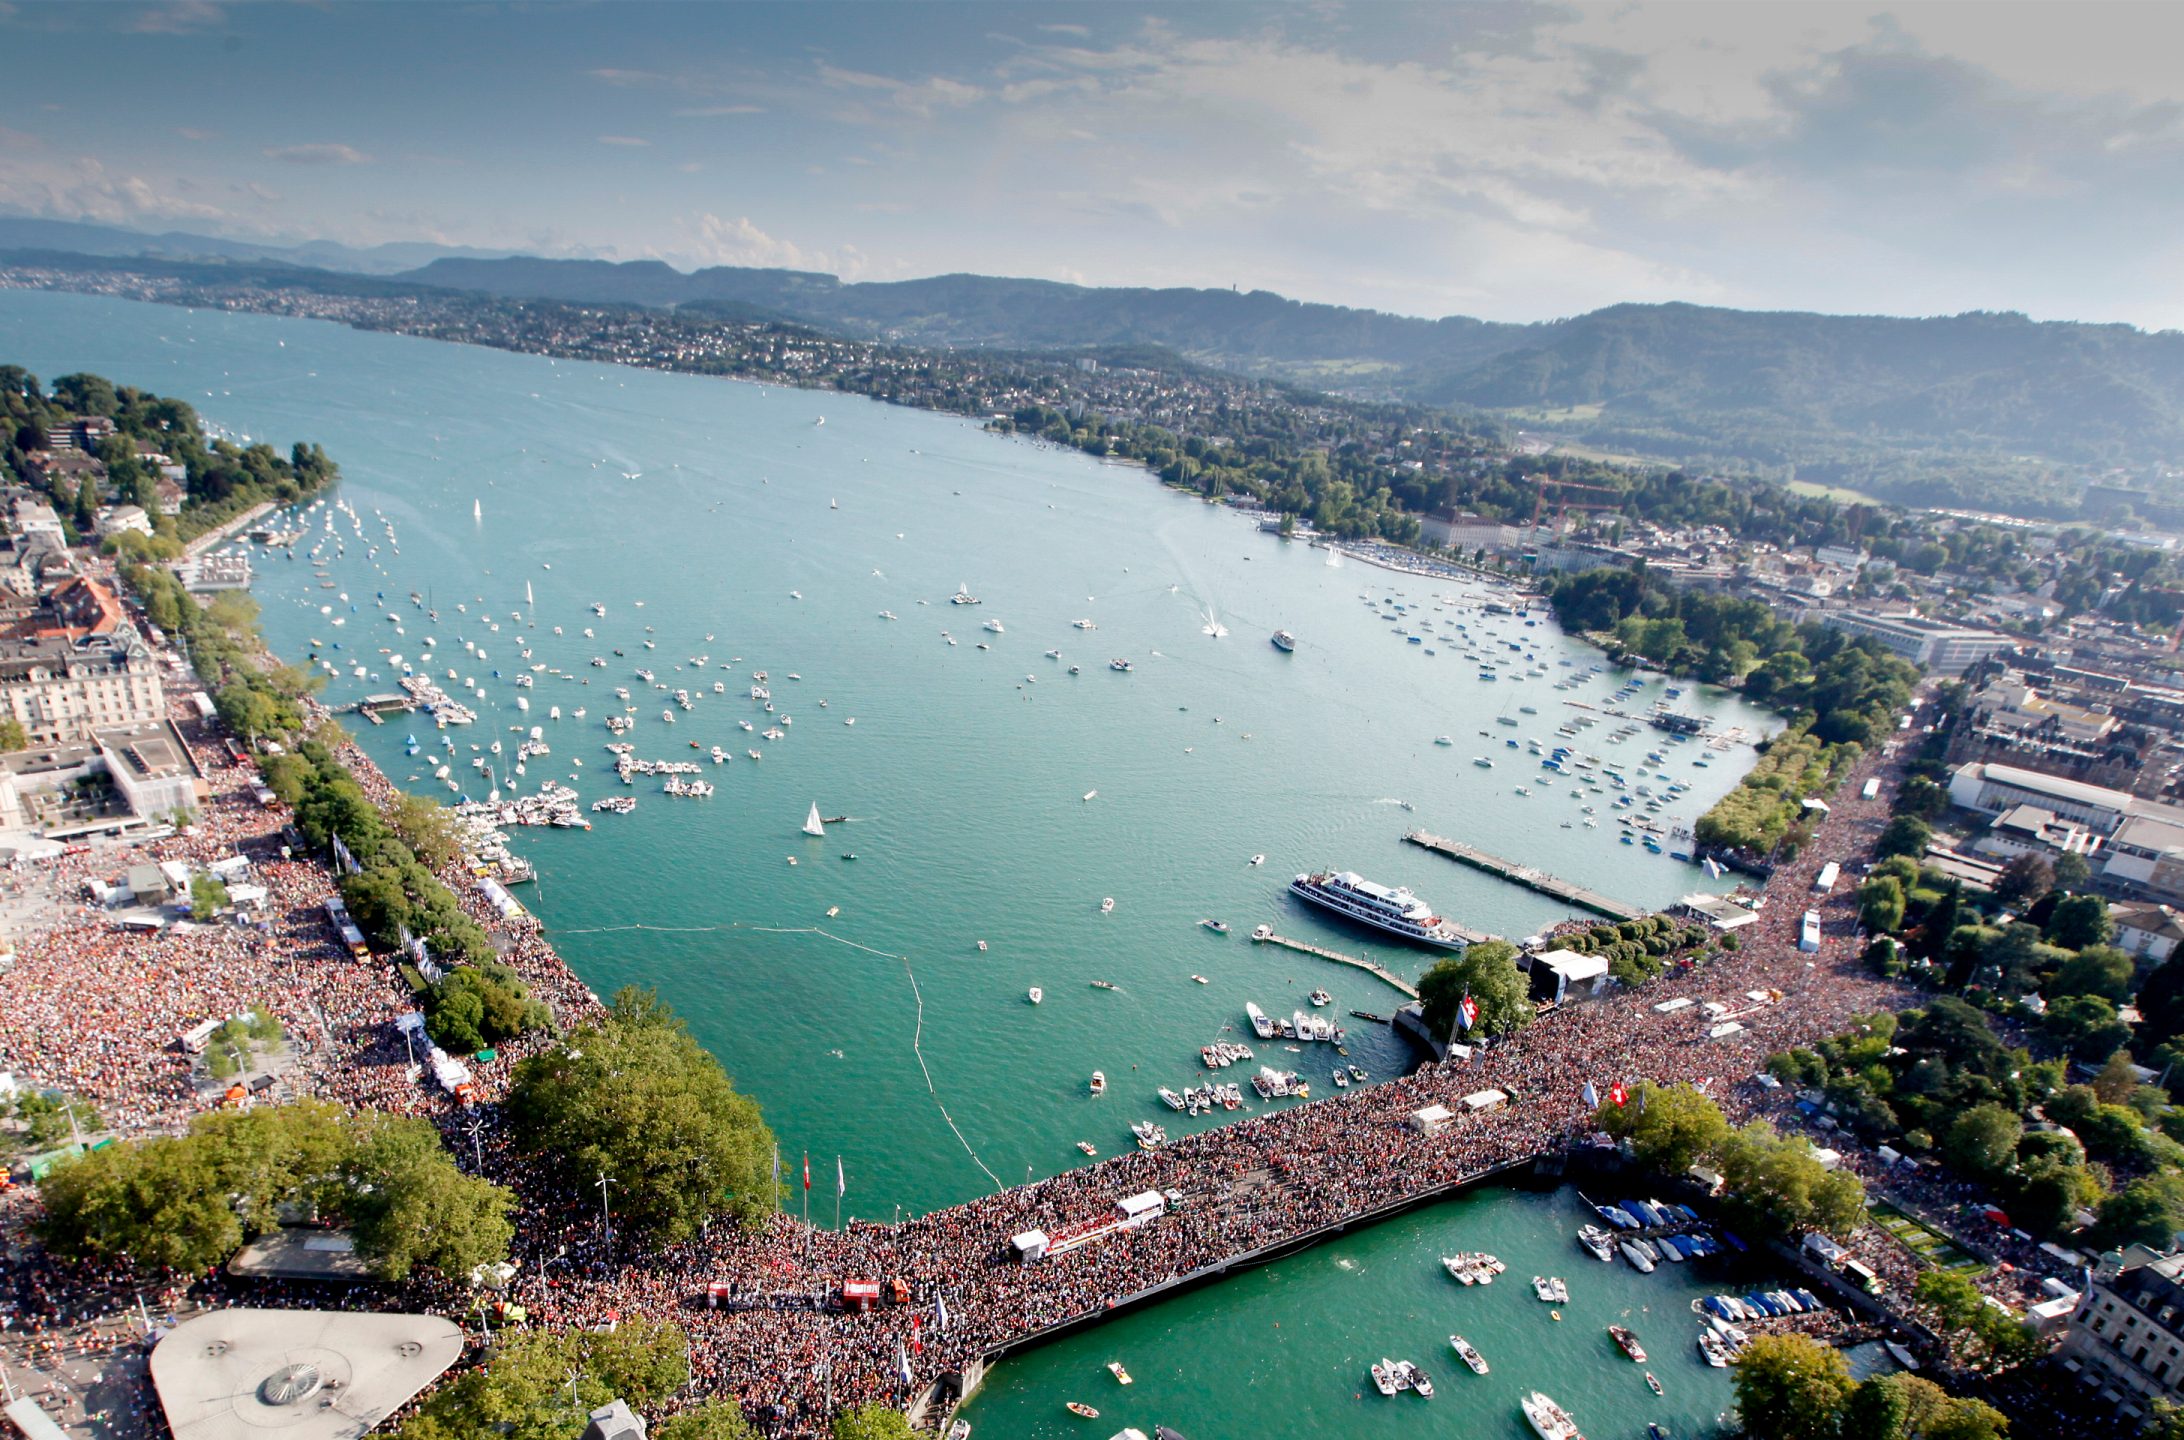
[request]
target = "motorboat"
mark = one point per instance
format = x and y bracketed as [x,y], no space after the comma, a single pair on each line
[994,626]
[1391,910]
[1469,1355]
[1107,906]
[1284,641]
[1122,666]
[1550,1289]
[1653,1383]
[1419,1382]
[1548,1420]
[1321,998]
[1170,1099]
[1598,1243]
[1114,1368]
[1218,927]
[1099,1083]
[1637,1258]
[1149,1136]
[1383,1377]
[1627,1341]
[1035,994]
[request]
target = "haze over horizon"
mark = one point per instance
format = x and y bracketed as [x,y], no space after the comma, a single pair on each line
[1511,161]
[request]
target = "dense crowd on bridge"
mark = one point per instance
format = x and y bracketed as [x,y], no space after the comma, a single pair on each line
[93,1009]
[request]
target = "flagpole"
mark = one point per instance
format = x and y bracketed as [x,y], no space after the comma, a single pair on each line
[841,1183]
[807,1191]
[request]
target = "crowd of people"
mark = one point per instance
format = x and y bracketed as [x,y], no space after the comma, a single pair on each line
[93,1010]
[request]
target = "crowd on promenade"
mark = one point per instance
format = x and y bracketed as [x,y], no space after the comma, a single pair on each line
[91,1009]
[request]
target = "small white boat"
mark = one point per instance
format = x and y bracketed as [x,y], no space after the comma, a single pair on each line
[1099,1083]
[1035,994]
[1467,1354]
[1258,859]
[1383,1377]
[1107,906]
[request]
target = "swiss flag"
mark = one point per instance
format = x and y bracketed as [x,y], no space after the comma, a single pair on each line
[917,1342]
[807,1166]
[1615,1093]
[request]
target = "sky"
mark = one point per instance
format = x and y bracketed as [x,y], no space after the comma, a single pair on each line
[1512,161]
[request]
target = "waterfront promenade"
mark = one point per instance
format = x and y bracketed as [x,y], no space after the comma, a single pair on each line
[1247,1190]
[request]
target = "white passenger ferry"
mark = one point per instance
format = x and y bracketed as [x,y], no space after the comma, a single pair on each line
[1396,912]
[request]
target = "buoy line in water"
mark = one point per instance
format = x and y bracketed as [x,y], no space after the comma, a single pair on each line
[917,1035]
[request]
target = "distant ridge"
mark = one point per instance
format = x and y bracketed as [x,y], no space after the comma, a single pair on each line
[1965,409]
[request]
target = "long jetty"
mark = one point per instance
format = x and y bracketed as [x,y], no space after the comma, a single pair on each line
[1265,936]
[1526,876]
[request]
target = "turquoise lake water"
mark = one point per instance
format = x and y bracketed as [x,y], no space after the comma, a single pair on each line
[891,1039]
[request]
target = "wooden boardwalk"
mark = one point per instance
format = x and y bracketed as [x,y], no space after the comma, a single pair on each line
[1265,935]
[1526,876]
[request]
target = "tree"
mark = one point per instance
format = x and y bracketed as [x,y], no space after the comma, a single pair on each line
[1881,904]
[1905,835]
[720,1418]
[2101,970]
[156,1204]
[635,1098]
[1876,1410]
[1982,1141]
[13,736]
[872,1422]
[1791,1388]
[425,825]
[2087,1026]
[2149,1211]
[2079,921]
[2023,880]
[1954,1299]
[2161,1002]
[1488,973]
[540,1385]
[2072,872]
[208,896]
[1669,1129]
[411,1205]
[1778,1184]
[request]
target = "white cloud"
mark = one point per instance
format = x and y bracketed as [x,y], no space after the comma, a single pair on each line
[712,240]
[184,18]
[627,141]
[708,112]
[318,154]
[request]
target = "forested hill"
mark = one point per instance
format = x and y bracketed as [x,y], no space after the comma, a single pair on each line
[1848,397]
[1256,331]
[1778,385]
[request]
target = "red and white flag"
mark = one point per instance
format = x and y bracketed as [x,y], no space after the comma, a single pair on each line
[1617,1093]
[807,1165]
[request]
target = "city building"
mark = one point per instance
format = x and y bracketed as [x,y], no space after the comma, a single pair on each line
[1935,646]
[2031,830]
[124,517]
[2150,932]
[2126,1340]
[62,689]
[1997,789]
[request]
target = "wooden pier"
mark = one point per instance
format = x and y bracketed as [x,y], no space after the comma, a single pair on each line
[1526,876]
[1265,935]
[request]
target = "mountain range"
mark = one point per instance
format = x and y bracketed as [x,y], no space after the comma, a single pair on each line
[1964,409]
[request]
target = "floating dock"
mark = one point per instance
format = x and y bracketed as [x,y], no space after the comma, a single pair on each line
[1526,876]
[1265,935]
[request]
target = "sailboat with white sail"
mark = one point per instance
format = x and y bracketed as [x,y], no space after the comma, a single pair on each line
[813,825]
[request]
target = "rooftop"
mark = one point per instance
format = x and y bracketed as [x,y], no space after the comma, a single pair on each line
[308,1374]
